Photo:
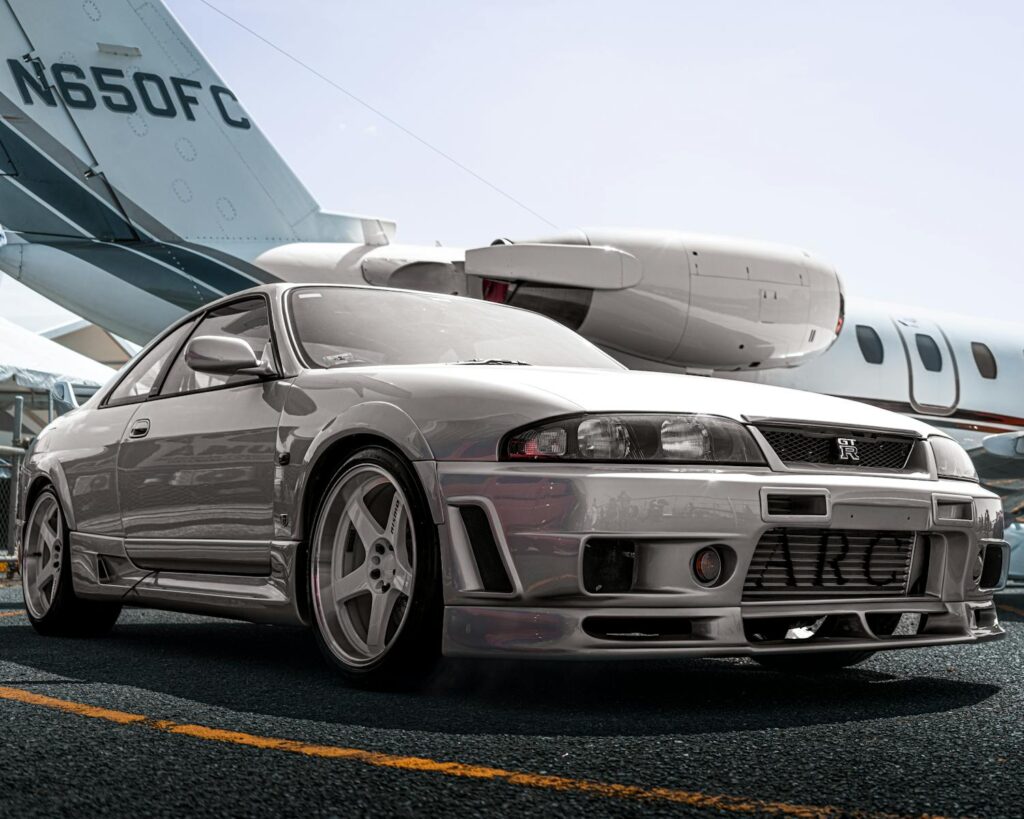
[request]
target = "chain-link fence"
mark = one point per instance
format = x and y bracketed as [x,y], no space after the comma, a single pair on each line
[10,462]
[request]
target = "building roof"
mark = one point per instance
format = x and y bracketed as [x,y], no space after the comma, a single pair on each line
[31,362]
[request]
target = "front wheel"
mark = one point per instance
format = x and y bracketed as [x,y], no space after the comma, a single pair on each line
[374,572]
[53,609]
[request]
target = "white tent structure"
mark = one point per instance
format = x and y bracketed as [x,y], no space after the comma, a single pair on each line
[32,361]
[92,341]
[29,366]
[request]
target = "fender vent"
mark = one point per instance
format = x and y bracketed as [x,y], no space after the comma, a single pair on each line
[992,567]
[489,564]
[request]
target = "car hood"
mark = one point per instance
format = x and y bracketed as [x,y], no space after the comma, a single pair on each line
[463,412]
[634,391]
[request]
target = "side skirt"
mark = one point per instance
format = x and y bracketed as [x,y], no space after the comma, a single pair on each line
[102,570]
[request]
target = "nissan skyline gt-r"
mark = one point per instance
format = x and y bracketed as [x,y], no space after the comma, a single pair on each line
[413,474]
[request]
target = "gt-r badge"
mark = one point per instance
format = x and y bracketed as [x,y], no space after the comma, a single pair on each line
[847,449]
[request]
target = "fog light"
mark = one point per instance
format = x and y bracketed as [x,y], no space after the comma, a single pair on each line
[707,566]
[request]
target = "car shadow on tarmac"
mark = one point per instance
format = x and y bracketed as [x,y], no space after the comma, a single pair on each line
[277,671]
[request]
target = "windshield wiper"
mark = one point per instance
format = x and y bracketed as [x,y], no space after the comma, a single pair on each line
[508,362]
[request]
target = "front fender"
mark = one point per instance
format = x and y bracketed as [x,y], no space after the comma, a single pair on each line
[309,447]
[45,467]
[377,418]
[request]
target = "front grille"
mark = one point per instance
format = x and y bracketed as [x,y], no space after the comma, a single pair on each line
[829,563]
[847,448]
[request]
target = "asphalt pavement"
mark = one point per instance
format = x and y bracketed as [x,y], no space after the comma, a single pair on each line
[174,715]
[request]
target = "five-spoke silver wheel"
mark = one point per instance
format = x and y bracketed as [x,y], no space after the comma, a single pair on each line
[364,564]
[43,552]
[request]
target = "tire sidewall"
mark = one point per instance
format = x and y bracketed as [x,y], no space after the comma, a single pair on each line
[65,591]
[418,641]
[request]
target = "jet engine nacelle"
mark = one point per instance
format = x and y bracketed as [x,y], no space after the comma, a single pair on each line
[689,301]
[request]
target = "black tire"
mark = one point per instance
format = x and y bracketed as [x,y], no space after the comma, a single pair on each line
[412,652]
[65,614]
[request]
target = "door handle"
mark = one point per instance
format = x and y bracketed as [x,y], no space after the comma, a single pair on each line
[140,429]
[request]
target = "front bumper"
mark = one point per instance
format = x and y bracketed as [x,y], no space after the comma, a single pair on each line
[542,516]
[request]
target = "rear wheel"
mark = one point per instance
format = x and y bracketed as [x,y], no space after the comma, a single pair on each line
[374,572]
[53,609]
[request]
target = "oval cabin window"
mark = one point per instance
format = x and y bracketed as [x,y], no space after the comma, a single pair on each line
[984,359]
[931,355]
[870,344]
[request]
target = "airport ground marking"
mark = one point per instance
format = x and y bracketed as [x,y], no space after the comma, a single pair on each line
[563,784]
[1010,609]
[17,613]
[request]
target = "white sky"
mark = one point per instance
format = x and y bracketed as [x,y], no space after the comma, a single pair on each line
[883,136]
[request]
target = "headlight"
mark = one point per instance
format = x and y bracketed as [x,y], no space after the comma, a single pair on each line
[681,439]
[952,460]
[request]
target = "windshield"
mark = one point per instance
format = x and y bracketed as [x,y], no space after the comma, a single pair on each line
[347,327]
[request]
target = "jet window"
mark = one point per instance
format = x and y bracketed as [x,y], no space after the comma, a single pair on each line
[141,378]
[249,320]
[984,359]
[870,344]
[931,355]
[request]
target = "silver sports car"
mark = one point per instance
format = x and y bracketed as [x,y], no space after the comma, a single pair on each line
[414,474]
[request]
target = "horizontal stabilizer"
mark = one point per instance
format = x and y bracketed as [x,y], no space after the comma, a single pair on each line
[1005,445]
[1000,461]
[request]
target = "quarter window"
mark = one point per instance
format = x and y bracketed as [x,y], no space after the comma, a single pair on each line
[984,359]
[249,320]
[931,355]
[870,344]
[140,380]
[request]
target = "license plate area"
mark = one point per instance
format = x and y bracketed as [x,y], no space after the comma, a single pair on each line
[802,563]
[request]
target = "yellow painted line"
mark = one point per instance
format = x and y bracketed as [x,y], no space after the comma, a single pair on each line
[1010,609]
[11,613]
[20,695]
[563,784]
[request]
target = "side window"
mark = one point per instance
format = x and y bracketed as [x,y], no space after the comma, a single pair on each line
[248,320]
[870,344]
[984,359]
[929,351]
[140,380]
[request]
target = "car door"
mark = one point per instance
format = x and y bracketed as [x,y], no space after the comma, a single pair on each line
[196,464]
[91,468]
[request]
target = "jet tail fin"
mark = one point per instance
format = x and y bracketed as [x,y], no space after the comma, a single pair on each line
[114,126]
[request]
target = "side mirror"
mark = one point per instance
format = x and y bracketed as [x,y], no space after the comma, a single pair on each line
[224,355]
[62,399]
